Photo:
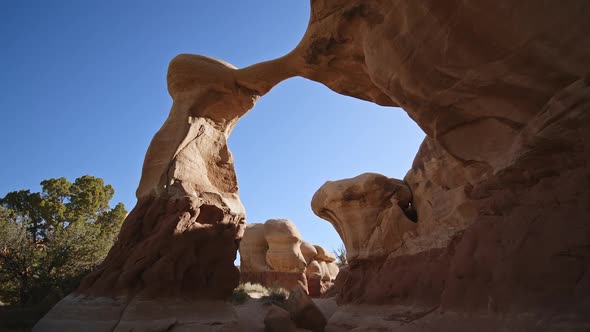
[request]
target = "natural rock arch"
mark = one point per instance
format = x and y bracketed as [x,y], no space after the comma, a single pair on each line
[500,183]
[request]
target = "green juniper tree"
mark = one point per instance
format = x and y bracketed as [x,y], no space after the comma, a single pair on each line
[49,240]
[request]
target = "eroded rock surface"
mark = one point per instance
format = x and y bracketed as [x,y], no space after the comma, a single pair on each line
[253,248]
[367,212]
[181,238]
[499,188]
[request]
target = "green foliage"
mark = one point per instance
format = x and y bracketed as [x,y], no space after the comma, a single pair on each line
[239,296]
[277,296]
[268,295]
[49,240]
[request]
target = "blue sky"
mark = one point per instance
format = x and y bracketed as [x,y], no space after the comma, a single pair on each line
[83,90]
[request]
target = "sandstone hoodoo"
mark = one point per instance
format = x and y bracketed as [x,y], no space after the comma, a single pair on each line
[368,213]
[491,219]
[274,255]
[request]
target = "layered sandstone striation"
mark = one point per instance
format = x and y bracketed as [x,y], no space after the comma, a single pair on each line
[274,255]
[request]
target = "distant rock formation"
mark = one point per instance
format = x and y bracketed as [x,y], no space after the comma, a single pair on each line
[273,254]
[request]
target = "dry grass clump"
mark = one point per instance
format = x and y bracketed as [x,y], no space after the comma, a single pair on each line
[277,296]
[250,288]
[273,295]
[239,296]
[243,292]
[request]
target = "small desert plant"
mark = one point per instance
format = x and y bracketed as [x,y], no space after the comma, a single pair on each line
[340,254]
[253,288]
[239,296]
[277,296]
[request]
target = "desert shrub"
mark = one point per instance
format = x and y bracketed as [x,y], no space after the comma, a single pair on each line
[277,296]
[49,240]
[253,288]
[341,255]
[239,296]
[242,293]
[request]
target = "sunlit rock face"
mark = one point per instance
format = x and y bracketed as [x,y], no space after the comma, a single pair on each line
[179,243]
[274,255]
[368,213]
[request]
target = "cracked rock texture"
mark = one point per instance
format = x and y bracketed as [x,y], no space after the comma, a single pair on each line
[273,254]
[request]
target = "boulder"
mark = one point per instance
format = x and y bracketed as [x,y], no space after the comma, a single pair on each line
[304,312]
[278,320]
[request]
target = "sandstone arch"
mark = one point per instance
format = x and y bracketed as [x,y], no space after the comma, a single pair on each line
[500,184]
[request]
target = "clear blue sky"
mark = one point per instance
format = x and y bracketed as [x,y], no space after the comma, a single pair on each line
[83,89]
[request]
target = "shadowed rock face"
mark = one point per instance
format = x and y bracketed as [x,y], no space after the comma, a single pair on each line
[499,186]
[500,183]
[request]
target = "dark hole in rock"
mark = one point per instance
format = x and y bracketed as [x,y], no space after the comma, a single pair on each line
[210,214]
[410,212]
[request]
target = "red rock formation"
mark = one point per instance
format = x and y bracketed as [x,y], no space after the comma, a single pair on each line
[189,219]
[499,186]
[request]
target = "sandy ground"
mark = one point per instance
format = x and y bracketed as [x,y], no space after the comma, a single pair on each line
[251,314]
